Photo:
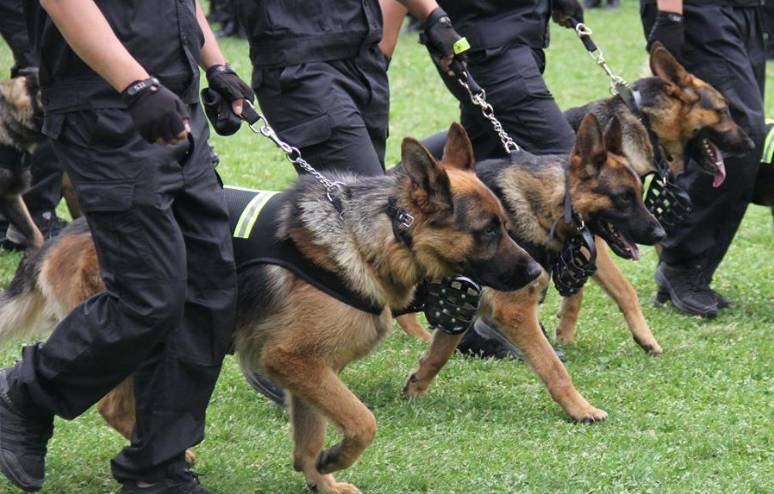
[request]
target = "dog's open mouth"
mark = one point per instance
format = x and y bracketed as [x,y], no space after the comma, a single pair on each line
[710,157]
[620,243]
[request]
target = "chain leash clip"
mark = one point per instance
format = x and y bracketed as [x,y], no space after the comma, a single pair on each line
[293,154]
[478,98]
[595,52]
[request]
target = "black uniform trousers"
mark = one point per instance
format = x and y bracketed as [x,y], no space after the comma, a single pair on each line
[512,77]
[158,219]
[46,188]
[335,112]
[724,47]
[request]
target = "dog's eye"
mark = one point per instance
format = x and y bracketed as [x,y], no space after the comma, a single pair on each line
[625,197]
[492,231]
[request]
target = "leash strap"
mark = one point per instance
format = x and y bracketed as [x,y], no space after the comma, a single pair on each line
[595,52]
[252,117]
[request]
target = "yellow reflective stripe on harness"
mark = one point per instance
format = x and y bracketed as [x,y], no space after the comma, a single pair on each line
[768,147]
[250,214]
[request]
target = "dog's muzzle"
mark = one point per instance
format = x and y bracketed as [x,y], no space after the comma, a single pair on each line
[451,304]
[668,202]
[575,264]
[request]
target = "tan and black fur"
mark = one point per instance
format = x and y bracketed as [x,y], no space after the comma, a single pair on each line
[690,118]
[295,333]
[603,189]
[20,116]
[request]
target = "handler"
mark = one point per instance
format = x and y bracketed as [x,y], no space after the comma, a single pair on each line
[321,78]
[120,90]
[507,59]
[721,41]
[45,192]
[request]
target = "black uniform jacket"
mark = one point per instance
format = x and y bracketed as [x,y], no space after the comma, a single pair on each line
[163,35]
[292,32]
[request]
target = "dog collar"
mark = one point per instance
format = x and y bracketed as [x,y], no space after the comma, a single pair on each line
[401,222]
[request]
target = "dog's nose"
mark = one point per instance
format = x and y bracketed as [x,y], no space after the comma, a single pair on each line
[533,270]
[659,233]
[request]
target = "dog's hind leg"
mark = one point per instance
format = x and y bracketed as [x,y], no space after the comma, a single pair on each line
[17,214]
[568,317]
[431,363]
[516,315]
[411,326]
[308,441]
[317,385]
[618,287]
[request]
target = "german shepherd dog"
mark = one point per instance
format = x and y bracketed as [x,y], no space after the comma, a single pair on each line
[690,119]
[295,333]
[20,119]
[604,191]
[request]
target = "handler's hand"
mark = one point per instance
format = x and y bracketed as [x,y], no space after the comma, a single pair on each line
[442,40]
[159,115]
[226,82]
[565,10]
[669,29]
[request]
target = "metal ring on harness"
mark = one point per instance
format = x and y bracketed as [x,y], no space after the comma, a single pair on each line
[575,264]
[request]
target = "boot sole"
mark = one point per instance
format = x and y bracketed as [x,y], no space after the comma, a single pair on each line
[663,284]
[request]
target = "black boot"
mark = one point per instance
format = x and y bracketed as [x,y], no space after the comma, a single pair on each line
[687,288]
[484,340]
[23,441]
[188,484]
[592,4]
[613,4]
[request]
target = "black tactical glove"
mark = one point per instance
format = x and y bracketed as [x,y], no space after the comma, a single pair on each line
[445,44]
[224,80]
[564,11]
[669,29]
[158,114]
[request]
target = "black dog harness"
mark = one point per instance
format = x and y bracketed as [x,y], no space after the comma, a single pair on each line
[254,216]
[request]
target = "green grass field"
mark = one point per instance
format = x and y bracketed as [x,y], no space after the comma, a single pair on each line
[696,419]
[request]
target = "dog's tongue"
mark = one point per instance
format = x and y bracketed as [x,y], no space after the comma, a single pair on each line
[720,167]
[632,248]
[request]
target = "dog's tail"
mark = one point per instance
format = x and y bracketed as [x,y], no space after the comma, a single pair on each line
[22,304]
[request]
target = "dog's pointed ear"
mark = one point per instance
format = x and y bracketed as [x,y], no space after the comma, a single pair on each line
[614,136]
[589,153]
[666,67]
[458,152]
[430,189]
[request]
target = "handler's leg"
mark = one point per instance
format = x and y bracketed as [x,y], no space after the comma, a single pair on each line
[172,391]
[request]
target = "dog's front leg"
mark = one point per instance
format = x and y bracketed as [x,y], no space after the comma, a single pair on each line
[516,315]
[431,363]
[618,287]
[315,384]
[411,326]
[16,213]
[568,317]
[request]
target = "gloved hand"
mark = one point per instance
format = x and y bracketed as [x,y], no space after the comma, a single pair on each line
[226,82]
[445,44]
[565,10]
[158,114]
[669,29]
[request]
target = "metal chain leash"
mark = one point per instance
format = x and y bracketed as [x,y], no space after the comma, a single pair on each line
[293,154]
[478,97]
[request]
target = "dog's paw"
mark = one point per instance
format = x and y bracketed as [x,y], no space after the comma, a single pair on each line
[329,459]
[190,457]
[326,483]
[650,346]
[413,387]
[565,339]
[589,415]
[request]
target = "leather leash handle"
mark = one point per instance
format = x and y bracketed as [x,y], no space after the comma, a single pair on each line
[585,38]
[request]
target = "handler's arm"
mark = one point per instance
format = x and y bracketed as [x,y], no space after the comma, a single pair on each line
[211,54]
[88,33]
[393,14]
[420,8]
[675,6]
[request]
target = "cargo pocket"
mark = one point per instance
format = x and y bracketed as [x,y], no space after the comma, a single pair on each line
[117,229]
[311,132]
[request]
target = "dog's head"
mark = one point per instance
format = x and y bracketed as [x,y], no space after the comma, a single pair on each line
[21,110]
[607,193]
[695,122]
[460,226]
